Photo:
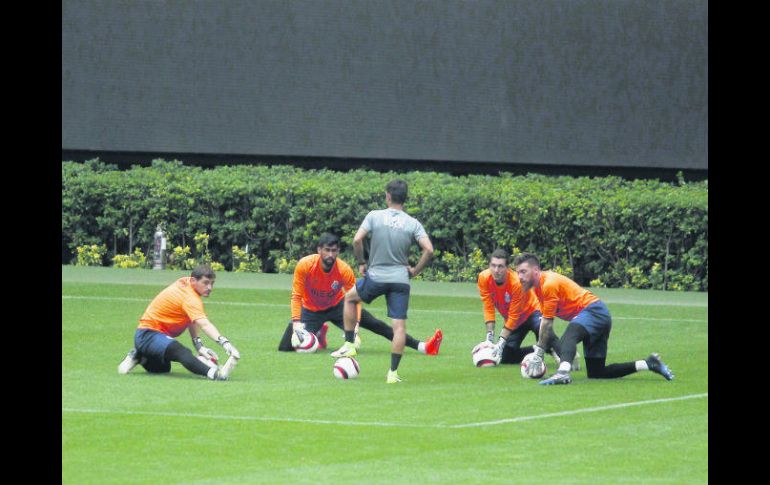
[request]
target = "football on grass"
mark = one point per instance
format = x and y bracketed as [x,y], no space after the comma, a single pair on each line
[483,355]
[346,368]
[308,342]
[532,367]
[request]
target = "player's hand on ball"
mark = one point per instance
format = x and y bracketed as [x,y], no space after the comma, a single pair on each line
[208,354]
[296,338]
[539,351]
[537,360]
[497,355]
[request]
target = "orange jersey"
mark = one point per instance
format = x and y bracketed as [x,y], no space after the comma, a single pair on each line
[317,290]
[509,298]
[560,296]
[174,309]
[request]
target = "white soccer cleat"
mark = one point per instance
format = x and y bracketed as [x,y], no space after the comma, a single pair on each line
[348,349]
[393,377]
[357,340]
[128,363]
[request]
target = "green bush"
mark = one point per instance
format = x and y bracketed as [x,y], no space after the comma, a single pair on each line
[90,255]
[244,262]
[135,260]
[619,233]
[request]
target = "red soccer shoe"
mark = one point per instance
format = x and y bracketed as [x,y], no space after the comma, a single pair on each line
[433,343]
[322,336]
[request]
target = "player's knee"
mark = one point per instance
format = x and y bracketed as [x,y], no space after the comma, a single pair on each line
[595,368]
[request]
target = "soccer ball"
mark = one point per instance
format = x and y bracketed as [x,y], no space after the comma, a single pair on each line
[483,355]
[308,342]
[346,368]
[532,367]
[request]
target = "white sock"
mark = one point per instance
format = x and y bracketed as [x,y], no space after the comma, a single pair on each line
[641,365]
[212,373]
[565,366]
[421,347]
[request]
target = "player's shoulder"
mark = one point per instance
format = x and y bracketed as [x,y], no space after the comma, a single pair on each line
[306,263]
[484,275]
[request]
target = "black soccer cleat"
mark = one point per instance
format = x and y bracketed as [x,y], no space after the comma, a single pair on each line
[656,365]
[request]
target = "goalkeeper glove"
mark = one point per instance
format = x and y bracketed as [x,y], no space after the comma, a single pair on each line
[229,348]
[498,353]
[298,335]
[539,351]
[204,351]
[491,336]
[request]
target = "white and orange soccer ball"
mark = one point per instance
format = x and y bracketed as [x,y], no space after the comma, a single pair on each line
[346,368]
[308,342]
[532,367]
[483,355]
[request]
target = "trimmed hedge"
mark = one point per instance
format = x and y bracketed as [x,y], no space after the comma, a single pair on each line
[602,231]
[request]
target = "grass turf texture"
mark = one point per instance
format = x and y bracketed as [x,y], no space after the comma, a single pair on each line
[284,418]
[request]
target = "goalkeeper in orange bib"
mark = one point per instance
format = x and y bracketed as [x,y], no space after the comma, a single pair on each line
[499,288]
[317,297]
[177,308]
[589,322]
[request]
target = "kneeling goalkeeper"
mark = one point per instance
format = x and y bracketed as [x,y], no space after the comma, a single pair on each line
[176,308]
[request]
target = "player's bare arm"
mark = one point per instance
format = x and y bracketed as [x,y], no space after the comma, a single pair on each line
[425,257]
[358,249]
[211,331]
[546,333]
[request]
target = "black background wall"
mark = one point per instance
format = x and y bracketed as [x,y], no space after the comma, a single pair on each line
[600,84]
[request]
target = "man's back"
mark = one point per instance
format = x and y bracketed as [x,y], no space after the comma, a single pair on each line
[393,232]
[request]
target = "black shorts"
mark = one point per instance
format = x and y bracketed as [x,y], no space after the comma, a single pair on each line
[396,295]
[314,320]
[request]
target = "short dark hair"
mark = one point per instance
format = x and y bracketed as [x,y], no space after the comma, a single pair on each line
[203,270]
[499,254]
[328,239]
[529,258]
[398,191]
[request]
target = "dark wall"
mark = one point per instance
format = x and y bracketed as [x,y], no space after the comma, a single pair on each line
[581,82]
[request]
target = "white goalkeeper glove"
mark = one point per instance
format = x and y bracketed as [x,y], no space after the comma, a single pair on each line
[298,335]
[537,355]
[229,348]
[539,351]
[204,351]
[491,336]
[498,353]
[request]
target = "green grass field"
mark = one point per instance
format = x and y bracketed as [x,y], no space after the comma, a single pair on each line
[285,419]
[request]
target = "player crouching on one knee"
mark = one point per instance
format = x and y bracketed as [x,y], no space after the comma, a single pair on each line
[317,296]
[176,308]
[589,320]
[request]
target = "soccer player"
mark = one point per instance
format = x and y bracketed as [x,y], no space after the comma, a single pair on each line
[500,289]
[318,291]
[388,271]
[589,322]
[176,308]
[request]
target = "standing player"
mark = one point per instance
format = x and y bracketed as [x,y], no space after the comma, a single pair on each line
[176,308]
[500,289]
[589,322]
[318,290]
[388,272]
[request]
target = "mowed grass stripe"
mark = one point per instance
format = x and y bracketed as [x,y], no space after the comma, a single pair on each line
[279,305]
[388,424]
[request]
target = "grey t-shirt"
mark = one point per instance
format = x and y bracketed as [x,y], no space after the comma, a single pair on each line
[393,232]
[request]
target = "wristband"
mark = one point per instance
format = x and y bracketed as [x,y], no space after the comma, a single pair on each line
[197,343]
